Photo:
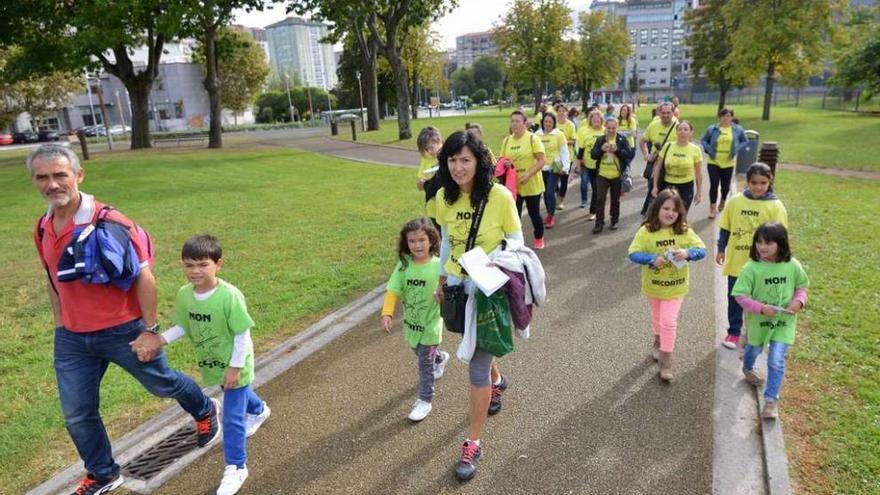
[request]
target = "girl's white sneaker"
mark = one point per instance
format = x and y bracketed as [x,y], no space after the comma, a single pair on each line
[420,410]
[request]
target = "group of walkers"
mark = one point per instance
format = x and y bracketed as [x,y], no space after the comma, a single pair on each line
[105,311]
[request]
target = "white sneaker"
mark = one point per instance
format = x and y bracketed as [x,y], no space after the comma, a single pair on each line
[253,422]
[420,410]
[232,480]
[440,367]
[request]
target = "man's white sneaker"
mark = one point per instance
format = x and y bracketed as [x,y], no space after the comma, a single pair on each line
[232,480]
[440,367]
[253,422]
[420,410]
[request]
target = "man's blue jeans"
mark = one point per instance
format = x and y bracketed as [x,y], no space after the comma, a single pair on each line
[81,359]
[775,366]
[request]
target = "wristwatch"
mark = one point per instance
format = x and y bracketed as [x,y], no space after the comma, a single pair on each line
[154,329]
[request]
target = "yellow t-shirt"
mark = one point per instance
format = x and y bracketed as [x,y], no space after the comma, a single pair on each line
[553,144]
[722,150]
[425,163]
[522,153]
[570,132]
[742,217]
[656,132]
[609,166]
[629,127]
[678,162]
[499,219]
[667,282]
[586,138]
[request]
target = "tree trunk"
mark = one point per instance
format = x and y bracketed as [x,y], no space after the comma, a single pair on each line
[536,93]
[414,104]
[403,122]
[371,97]
[139,95]
[212,86]
[586,100]
[723,88]
[138,83]
[768,90]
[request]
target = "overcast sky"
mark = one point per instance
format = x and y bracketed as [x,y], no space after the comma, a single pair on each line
[470,16]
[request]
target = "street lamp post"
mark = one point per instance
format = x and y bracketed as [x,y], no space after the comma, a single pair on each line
[361,111]
[289,102]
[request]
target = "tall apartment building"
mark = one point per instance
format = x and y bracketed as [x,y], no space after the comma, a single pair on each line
[471,46]
[657,36]
[259,36]
[295,47]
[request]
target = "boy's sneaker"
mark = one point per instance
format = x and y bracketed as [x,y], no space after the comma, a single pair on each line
[93,486]
[539,243]
[754,377]
[208,428]
[232,480]
[420,410]
[253,422]
[470,457]
[440,366]
[730,341]
[495,401]
[771,410]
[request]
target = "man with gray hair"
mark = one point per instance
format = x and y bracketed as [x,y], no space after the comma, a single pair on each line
[657,134]
[98,324]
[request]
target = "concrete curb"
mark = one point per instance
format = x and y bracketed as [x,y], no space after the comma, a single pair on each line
[268,366]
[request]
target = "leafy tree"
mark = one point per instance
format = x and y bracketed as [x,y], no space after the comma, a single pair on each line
[710,42]
[350,67]
[423,61]
[600,54]
[242,68]
[531,40]
[488,73]
[480,95]
[71,36]
[273,106]
[462,81]
[858,58]
[772,35]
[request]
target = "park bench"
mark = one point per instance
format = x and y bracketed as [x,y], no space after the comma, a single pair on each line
[179,138]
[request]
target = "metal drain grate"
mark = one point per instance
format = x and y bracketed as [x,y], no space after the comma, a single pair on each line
[150,463]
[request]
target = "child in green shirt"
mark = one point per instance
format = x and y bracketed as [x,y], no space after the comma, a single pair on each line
[772,290]
[213,314]
[414,281]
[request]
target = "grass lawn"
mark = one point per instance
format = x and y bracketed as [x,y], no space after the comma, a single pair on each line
[809,136]
[303,234]
[831,399]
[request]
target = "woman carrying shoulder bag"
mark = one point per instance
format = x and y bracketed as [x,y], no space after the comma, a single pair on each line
[469,194]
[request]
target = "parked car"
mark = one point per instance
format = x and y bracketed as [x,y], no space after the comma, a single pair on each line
[118,130]
[5,139]
[48,135]
[95,130]
[25,137]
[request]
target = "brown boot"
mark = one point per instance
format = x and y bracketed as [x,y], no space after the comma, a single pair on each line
[666,366]
[655,352]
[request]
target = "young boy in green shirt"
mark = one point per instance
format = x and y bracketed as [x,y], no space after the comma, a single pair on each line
[213,314]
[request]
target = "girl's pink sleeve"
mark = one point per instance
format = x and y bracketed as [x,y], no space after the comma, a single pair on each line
[749,304]
[800,295]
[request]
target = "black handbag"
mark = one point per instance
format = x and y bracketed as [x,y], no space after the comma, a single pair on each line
[454,304]
[648,173]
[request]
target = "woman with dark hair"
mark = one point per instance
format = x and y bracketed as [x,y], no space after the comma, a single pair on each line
[722,141]
[469,193]
[526,152]
[682,164]
[556,165]
[612,155]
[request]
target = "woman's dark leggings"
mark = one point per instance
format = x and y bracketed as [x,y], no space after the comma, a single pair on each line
[686,191]
[562,185]
[533,204]
[722,176]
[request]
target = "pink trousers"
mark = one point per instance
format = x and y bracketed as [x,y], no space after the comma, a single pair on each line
[664,316]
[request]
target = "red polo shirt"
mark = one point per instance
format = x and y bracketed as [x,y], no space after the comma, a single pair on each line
[89,307]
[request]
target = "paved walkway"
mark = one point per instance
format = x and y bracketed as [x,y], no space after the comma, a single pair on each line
[585,412]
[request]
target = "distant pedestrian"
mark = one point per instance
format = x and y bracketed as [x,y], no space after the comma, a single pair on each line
[477,130]
[574,115]
[429,143]
[557,164]
[526,152]
[587,135]
[612,155]
[676,111]
[680,165]
[569,129]
[213,315]
[97,324]
[772,289]
[664,245]
[722,142]
[628,124]
[609,111]
[414,282]
[660,131]
[743,215]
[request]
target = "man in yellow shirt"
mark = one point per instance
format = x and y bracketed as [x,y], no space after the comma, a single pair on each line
[658,133]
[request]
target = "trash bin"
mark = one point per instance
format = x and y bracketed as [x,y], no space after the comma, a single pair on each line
[334,128]
[749,153]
